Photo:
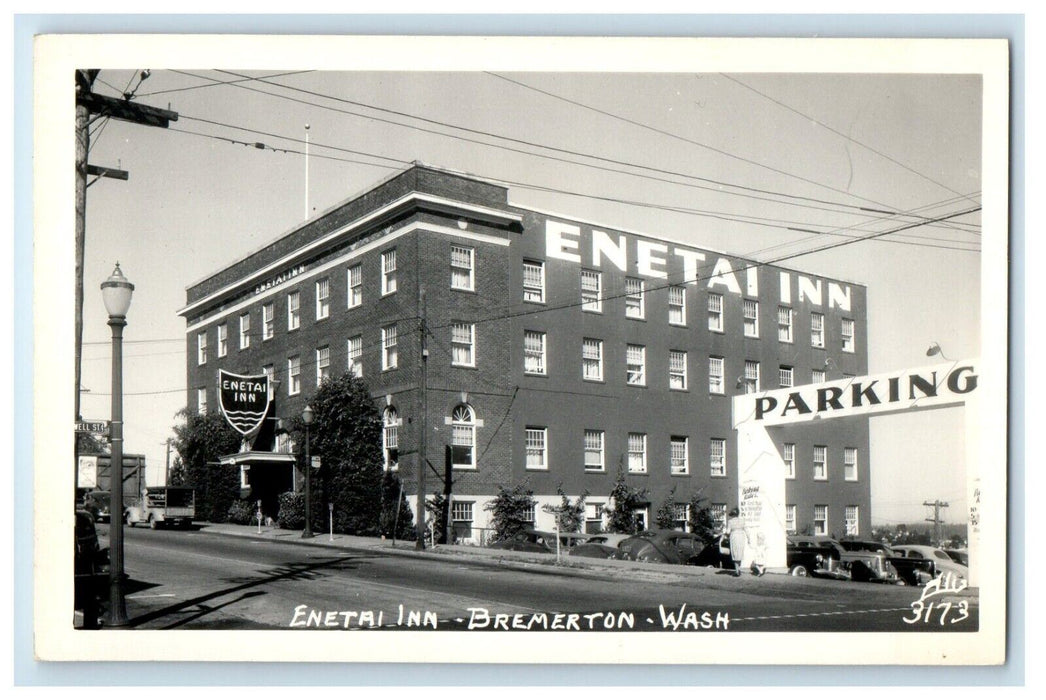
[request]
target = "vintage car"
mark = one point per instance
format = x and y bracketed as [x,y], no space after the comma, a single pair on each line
[871,561]
[662,546]
[959,556]
[942,563]
[803,559]
[601,546]
[540,542]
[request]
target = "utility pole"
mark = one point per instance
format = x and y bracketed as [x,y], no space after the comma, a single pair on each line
[419,542]
[937,505]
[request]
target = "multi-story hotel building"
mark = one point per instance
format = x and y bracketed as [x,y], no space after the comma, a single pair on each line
[560,351]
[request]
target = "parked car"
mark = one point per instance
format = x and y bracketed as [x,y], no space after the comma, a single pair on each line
[662,546]
[942,563]
[959,556]
[716,554]
[821,557]
[601,546]
[97,504]
[90,568]
[870,561]
[540,542]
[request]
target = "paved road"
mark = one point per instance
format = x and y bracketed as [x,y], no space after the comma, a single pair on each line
[197,580]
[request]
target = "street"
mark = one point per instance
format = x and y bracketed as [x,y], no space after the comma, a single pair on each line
[198,580]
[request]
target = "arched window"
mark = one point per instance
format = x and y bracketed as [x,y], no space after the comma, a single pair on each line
[463,438]
[390,438]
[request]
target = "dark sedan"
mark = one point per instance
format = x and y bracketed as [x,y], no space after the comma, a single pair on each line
[662,546]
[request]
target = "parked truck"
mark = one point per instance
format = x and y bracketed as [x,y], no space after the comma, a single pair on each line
[160,506]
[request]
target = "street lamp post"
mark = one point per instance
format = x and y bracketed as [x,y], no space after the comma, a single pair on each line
[306,417]
[116,293]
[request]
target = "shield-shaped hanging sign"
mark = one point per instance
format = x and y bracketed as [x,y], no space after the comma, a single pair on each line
[243,400]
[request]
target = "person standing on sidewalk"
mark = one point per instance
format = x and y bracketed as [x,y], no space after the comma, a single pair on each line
[735,531]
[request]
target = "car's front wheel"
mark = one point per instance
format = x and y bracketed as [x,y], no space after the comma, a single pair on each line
[798,570]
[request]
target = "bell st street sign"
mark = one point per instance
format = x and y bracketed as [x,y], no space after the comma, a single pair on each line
[92,426]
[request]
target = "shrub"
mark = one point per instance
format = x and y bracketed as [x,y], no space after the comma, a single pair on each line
[509,509]
[242,512]
[627,500]
[292,511]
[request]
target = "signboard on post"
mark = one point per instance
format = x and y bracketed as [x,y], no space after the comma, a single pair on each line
[87,472]
[315,462]
[100,427]
[244,400]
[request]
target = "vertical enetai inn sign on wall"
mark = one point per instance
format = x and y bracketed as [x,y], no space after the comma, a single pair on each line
[244,400]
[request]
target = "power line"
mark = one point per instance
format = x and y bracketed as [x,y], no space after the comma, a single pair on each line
[219,82]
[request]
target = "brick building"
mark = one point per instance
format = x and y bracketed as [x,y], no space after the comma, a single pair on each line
[560,351]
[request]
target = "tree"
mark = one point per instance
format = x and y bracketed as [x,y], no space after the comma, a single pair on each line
[200,440]
[434,516]
[627,500]
[90,444]
[665,518]
[702,521]
[569,515]
[509,510]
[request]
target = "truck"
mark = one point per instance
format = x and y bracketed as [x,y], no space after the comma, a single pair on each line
[160,506]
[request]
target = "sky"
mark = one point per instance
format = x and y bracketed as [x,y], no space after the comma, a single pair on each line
[731,162]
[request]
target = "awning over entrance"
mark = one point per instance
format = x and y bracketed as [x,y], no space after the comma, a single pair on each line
[250,459]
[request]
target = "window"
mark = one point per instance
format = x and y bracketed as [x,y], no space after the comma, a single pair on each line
[293,310]
[751,377]
[245,331]
[463,344]
[388,272]
[717,457]
[355,353]
[817,330]
[534,352]
[462,268]
[537,448]
[461,517]
[637,453]
[715,375]
[355,286]
[592,291]
[677,306]
[681,516]
[592,359]
[784,377]
[751,314]
[718,514]
[323,298]
[593,517]
[635,360]
[821,520]
[201,348]
[677,370]
[390,438]
[463,438]
[788,456]
[790,527]
[223,340]
[848,335]
[594,451]
[268,320]
[293,375]
[534,281]
[678,456]
[389,354]
[820,462]
[527,515]
[784,324]
[850,463]
[715,312]
[201,401]
[818,376]
[323,364]
[634,298]
[851,519]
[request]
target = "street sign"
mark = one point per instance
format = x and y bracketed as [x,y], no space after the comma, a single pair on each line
[92,426]
[315,462]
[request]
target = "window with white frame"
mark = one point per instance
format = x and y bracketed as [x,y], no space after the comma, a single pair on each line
[534,281]
[462,268]
[390,438]
[679,459]
[293,310]
[591,291]
[788,456]
[715,312]
[528,513]
[268,320]
[784,324]
[677,370]
[785,377]
[245,331]
[677,305]
[592,359]
[323,298]
[820,462]
[323,364]
[751,314]
[681,516]
[637,453]
[715,375]
[201,401]
[389,351]
[594,517]
[818,376]
[850,463]
[634,298]
[536,446]
[850,516]
[293,375]
[388,272]
[463,344]
[223,339]
[635,361]
[355,355]
[821,520]
[594,450]
[848,335]
[751,377]
[717,457]
[534,352]
[817,330]
[354,282]
[461,519]
[201,348]
[463,437]
[790,527]
[718,512]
